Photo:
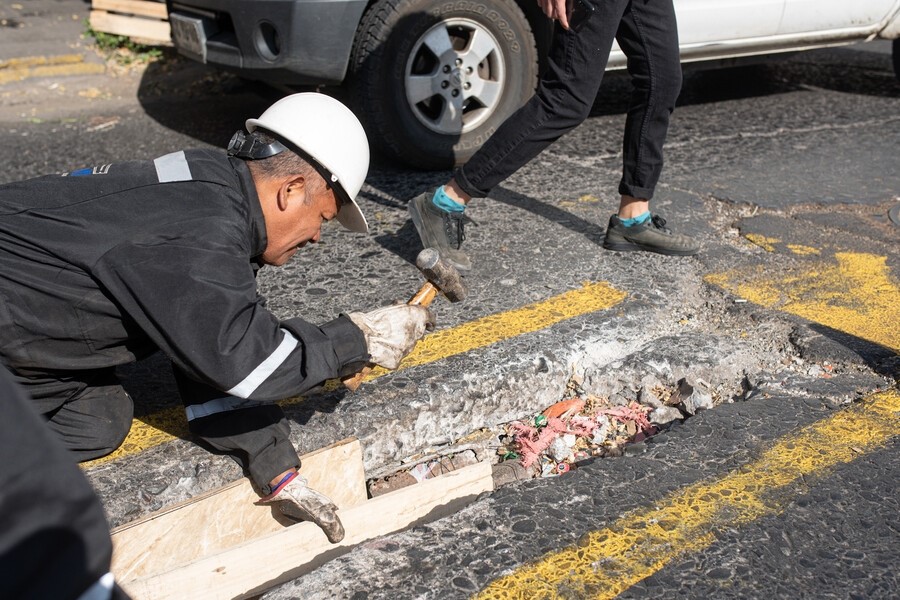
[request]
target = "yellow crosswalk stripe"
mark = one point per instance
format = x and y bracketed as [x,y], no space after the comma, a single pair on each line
[855,294]
[19,69]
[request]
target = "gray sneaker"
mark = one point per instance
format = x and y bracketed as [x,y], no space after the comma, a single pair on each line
[440,229]
[650,236]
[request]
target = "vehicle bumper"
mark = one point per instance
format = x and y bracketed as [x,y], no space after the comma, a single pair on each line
[301,42]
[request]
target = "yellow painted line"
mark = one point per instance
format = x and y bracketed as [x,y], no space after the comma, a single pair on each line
[607,562]
[26,62]
[169,424]
[802,250]
[495,328]
[855,294]
[19,69]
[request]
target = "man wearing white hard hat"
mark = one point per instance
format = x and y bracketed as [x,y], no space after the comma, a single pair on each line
[104,265]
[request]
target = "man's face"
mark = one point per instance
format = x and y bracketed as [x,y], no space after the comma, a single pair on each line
[294,211]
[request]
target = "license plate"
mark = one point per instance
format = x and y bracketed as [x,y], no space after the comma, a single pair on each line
[189,34]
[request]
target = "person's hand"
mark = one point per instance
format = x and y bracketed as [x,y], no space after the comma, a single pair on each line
[298,501]
[557,10]
[392,332]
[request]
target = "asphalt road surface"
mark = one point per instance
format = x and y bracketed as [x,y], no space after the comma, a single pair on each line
[791,314]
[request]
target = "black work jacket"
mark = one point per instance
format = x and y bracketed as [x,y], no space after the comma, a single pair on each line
[100,266]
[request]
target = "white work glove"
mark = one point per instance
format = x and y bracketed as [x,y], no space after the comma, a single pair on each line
[392,332]
[299,501]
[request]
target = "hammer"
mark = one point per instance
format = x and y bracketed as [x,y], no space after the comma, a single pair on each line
[440,276]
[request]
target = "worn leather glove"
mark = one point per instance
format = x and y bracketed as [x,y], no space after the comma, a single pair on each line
[392,332]
[298,501]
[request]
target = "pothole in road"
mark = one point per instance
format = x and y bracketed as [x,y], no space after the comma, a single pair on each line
[578,429]
[608,412]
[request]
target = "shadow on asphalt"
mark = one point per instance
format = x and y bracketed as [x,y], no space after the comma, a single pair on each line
[564,218]
[198,101]
[847,348]
[848,70]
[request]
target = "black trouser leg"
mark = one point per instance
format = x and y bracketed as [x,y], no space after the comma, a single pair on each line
[648,35]
[95,423]
[647,32]
[89,411]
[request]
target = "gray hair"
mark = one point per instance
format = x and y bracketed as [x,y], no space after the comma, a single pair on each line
[284,164]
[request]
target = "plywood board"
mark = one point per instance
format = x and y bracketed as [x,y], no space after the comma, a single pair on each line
[226,517]
[257,565]
[136,27]
[144,8]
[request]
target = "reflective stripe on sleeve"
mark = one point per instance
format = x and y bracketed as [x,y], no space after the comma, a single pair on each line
[173,167]
[266,367]
[219,405]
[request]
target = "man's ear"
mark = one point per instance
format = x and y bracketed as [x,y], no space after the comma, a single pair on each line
[292,189]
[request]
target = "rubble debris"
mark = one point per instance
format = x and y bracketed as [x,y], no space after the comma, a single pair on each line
[647,396]
[568,433]
[665,414]
[509,471]
[564,408]
[692,396]
[420,472]
[532,441]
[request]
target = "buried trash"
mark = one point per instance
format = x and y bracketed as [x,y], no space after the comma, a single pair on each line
[564,435]
[573,430]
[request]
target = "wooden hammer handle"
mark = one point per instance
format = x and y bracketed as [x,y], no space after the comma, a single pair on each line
[423,297]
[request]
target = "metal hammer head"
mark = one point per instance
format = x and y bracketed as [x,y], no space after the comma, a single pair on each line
[441,274]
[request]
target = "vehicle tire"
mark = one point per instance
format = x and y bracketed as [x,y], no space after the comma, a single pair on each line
[431,81]
[896,54]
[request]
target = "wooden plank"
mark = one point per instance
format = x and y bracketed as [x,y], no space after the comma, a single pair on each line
[143,8]
[255,566]
[136,27]
[226,517]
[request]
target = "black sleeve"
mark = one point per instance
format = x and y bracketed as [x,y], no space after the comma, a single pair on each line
[196,298]
[54,537]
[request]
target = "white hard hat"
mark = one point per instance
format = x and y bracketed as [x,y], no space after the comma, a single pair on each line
[329,134]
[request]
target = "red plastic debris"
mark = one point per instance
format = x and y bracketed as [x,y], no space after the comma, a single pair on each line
[565,408]
[634,412]
[531,441]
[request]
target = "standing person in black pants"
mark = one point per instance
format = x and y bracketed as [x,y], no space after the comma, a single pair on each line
[647,32]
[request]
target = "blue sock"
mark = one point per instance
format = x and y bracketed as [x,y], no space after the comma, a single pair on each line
[641,218]
[445,202]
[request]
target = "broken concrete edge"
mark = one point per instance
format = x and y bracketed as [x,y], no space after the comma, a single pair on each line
[738,377]
[604,368]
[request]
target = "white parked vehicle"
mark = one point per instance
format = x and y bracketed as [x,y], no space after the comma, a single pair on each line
[432,79]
